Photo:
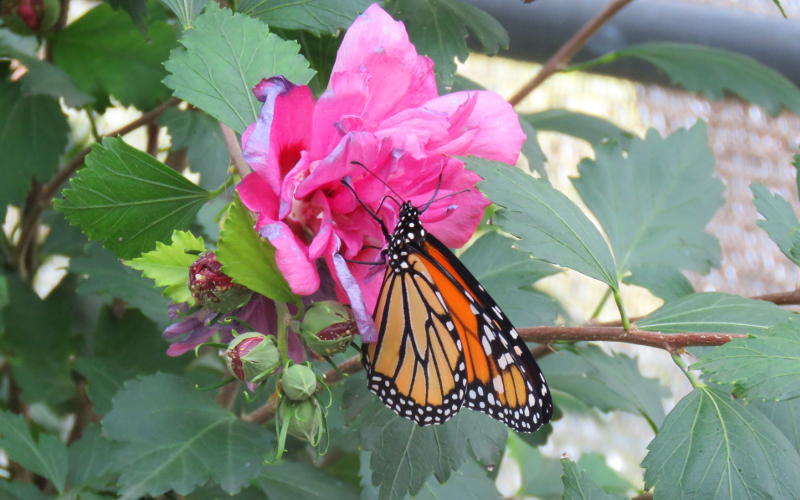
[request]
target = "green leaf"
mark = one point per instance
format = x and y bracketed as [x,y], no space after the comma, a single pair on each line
[123,348]
[248,258]
[129,200]
[780,7]
[488,445]
[91,459]
[178,438]
[508,274]
[33,135]
[715,447]
[714,312]
[551,227]
[293,481]
[595,467]
[42,78]
[785,415]
[46,456]
[766,366]
[107,55]
[661,221]
[540,474]
[104,275]
[202,138]
[579,486]
[608,382]
[315,16]
[40,341]
[136,9]
[780,221]
[168,265]
[590,128]
[665,282]
[439,29]
[532,150]
[713,71]
[225,55]
[186,10]
[14,490]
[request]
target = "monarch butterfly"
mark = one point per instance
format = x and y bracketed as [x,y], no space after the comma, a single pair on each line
[443,342]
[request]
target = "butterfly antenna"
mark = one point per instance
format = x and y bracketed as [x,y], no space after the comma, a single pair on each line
[346,182]
[373,174]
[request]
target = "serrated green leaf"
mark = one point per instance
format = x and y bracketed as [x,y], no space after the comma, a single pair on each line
[90,460]
[315,16]
[714,71]
[123,348]
[129,200]
[780,222]
[186,10]
[104,275]
[579,486]
[540,474]
[105,54]
[168,265]
[590,128]
[608,382]
[714,312]
[223,57]
[202,138]
[550,226]
[33,135]
[46,456]
[488,445]
[663,281]
[177,438]
[439,29]
[661,221]
[715,447]
[766,366]
[532,150]
[509,274]
[39,340]
[293,481]
[249,259]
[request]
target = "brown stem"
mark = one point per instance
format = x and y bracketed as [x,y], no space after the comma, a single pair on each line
[226,395]
[559,60]
[267,411]
[30,221]
[152,138]
[668,341]
[781,298]
[234,150]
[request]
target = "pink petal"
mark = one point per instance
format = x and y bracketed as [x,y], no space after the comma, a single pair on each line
[259,198]
[366,326]
[482,124]
[272,145]
[291,256]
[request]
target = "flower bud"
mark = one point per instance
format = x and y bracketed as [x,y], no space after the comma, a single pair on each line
[25,16]
[212,288]
[252,356]
[327,327]
[299,382]
[306,419]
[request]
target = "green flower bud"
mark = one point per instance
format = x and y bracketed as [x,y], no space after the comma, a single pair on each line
[327,327]
[252,356]
[306,419]
[299,382]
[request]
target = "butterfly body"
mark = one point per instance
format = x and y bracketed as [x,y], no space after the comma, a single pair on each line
[444,343]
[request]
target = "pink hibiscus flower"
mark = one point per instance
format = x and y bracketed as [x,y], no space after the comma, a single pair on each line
[381,109]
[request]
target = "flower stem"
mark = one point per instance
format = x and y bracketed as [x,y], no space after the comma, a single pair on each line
[696,383]
[284,316]
[623,316]
[228,183]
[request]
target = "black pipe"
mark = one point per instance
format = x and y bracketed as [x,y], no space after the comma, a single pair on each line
[538,29]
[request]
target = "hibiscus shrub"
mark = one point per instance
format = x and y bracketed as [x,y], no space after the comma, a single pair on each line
[184,320]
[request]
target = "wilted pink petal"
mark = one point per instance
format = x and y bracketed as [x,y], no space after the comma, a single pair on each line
[351,287]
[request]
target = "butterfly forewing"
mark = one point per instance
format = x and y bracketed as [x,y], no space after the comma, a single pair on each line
[443,342]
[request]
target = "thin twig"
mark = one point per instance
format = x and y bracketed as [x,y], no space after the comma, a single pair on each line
[234,150]
[668,341]
[559,60]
